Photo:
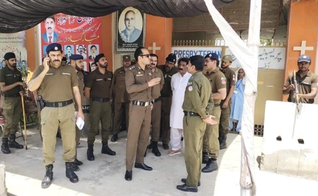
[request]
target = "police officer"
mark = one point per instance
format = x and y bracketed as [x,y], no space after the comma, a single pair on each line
[168,70]
[217,80]
[139,82]
[226,103]
[156,111]
[306,80]
[120,97]
[98,90]
[10,84]
[197,106]
[59,85]
[76,61]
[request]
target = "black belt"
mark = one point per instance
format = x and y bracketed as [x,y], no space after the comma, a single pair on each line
[140,103]
[165,95]
[217,105]
[58,104]
[158,99]
[100,99]
[186,113]
[14,95]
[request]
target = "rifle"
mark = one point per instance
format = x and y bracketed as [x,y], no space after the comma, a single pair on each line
[296,91]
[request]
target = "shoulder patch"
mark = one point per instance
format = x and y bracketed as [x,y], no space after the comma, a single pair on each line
[190,88]
[132,67]
[234,77]
[190,83]
[223,80]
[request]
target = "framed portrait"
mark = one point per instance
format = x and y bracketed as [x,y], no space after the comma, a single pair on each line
[130,29]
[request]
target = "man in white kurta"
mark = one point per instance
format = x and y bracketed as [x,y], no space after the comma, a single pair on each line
[179,83]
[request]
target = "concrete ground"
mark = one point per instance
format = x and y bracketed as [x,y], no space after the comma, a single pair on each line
[105,175]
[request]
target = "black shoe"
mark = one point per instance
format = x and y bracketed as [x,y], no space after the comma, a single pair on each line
[223,142]
[107,150]
[74,166]
[47,180]
[128,175]
[205,157]
[77,162]
[155,149]
[70,172]
[185,180]
[165,146]
[114,138]
[211,166]
[4,147]
[90,152]
[149,146]
[143,166]
[13,143]
[187,188]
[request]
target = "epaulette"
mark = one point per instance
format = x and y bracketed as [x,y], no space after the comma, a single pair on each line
[132,67]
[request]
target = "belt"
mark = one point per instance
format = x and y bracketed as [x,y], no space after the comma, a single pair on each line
[158,99]
[141,103]
[186,113]
[14,95]
[58,104]
[217,105]
[165,95]
[100,99]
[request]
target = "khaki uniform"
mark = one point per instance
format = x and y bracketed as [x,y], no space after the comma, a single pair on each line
[139,113]
[210,141]
[305,85]
[197,104]
[120,99]
[100,107]
[80,79]
[57,86]
[166,98]
[156,110]
[226,112]
[12,107]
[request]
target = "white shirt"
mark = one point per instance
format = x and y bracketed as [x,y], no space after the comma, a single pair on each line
[178,86]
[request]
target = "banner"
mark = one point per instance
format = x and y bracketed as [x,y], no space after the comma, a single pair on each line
[77,35]
[14,42]
[130,29]
[188,51]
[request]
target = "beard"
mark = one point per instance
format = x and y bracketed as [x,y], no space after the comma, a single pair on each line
[104,65]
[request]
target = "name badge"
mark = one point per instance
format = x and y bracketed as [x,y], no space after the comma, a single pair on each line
[66,74]
[139,75]
[100,79]
[49,74]
[9,75]
[109,79]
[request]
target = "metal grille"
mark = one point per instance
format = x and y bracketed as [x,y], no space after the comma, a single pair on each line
[258,129]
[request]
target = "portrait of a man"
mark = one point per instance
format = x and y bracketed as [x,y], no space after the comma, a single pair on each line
[50,36]
[131,33]
[80,49]
[93,52]
[68,52]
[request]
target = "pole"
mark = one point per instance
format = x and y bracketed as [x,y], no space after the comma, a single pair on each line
[24,124]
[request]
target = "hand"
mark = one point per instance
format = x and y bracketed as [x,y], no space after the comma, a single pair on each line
[46,63]
[151,106]
[154,82]
[80,114]
[225,104]
[21,93]
[209,120]
[291,87]
[111,101]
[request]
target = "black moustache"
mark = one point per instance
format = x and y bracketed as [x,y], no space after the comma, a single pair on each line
[180,69]
[56,61]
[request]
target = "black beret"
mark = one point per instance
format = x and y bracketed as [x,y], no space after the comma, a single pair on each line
[9,55]
[99,57]
[76,57]
[172,58]
[212,56]
[54,47]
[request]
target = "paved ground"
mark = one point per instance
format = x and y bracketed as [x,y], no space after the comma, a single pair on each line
[105,175]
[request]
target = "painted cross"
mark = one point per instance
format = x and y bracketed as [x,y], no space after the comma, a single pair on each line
[154,48]
[303,47]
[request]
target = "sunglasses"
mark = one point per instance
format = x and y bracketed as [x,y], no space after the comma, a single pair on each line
[146,55]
